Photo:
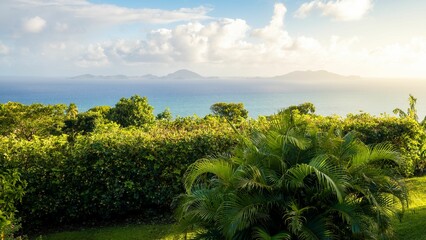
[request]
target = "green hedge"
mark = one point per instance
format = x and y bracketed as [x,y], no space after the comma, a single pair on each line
[405,134]
[115,171]
[110,172]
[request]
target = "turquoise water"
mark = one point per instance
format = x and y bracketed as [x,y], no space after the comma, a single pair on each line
[189,99]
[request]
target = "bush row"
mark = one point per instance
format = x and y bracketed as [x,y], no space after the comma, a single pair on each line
[405,134]
[110,172]
[116,171]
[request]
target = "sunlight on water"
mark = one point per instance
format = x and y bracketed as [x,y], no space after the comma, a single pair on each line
[189,99]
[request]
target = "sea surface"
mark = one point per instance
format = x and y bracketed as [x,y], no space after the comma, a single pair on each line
[195,98]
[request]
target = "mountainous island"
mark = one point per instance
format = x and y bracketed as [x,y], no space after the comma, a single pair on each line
[184,74]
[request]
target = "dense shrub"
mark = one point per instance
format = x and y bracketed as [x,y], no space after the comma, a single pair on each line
[111,171]
[42,164]
[11,192]
[404,133]
[26,121]
[107,171]
[165,115]
[293,182]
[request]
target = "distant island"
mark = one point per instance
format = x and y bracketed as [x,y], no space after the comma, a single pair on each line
[184,74]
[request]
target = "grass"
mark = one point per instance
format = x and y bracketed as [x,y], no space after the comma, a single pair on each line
[130,232]
[412,226]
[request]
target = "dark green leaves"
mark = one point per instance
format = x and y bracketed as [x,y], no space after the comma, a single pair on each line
[292,182]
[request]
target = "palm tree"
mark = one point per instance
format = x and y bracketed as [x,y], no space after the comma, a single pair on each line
[72,111]
[292,183]
[411,111]
[412,114]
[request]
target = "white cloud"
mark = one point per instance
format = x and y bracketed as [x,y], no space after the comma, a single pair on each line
[94,57]
[344,10]
[213,47]
[77,23]
[4,50]
[274,32]
[226,45]
[34,25]
[230,42]
[192,42]
[114,14]
[221,41]
[105,13]
[409,57]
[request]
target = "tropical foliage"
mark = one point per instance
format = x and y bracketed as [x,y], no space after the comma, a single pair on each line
[304,108]
[405,134]
[111,171]
[11,191]
[231,111]
[411,111]
[133,111]
[292,182]
[165,115]
[27,121]
[85,165]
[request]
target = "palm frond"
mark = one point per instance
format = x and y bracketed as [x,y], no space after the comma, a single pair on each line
[296,139]
[400,112]
[244,210]
[221,168]
[379,152]
[328,175]
[307,234]
[316,228]
[254,177]
[349,147]
[261,234]
[198,209]
[349,213]
[332,176]
[294,217]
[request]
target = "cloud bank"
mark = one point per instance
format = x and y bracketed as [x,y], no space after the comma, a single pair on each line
[80,17]
[74,37]
[343,10]
[224,41]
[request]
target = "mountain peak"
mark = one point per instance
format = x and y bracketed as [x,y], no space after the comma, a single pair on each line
[312,75]
[184,74]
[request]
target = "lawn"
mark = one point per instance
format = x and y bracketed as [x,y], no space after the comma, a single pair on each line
[412,226]
[130,232]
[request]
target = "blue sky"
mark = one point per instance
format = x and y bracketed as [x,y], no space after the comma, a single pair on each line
[378,38]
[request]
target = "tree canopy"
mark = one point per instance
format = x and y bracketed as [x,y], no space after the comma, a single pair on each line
[26,121]
[304,108]
[231,111]
[133,111]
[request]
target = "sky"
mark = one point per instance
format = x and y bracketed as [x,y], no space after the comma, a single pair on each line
[370,38]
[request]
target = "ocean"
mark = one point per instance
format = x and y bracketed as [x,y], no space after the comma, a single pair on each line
[195,98]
